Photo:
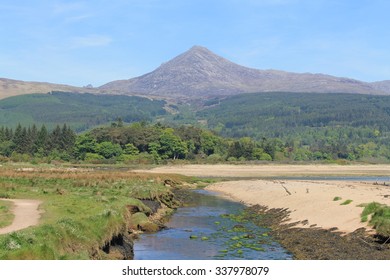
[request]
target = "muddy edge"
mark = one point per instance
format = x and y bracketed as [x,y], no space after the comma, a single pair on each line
[320,244]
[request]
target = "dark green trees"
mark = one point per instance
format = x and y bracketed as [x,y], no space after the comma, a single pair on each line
[154,143]
[38,143]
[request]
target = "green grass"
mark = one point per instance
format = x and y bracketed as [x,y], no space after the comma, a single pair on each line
[82,211]
[348,201]
[337,198]
[6,216]
[378,216]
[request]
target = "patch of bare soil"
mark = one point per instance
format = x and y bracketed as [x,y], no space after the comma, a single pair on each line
[26,213]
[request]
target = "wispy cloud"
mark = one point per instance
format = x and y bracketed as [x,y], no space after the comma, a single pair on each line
[72,12]
[266,2]
[75,19]
[90,41]
[66,7]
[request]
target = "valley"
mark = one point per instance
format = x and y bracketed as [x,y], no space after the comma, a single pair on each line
[105,161]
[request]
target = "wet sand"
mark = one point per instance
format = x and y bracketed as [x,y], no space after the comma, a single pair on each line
[311,202]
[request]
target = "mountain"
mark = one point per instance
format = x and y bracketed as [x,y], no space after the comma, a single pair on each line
[200,73]
[10,88]
[382,86]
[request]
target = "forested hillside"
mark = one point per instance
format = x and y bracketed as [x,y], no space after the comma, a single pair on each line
[336,124]
[266,126]
[79,111]
[290,114]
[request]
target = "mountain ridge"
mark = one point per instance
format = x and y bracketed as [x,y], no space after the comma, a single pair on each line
[199,73]
[11,87]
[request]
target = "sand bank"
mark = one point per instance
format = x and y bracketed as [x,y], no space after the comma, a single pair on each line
[309,200]
[272,170]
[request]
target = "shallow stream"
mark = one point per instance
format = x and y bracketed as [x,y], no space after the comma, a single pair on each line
[210,228]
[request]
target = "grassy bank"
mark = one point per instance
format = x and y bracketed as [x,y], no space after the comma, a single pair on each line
[84,210]
[378,216]
[6,215]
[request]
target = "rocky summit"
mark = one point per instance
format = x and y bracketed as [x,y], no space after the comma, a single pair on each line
[200,73]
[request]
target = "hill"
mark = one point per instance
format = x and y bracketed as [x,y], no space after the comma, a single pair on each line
[80,111]
[9,88]
[289,115]
[283,126]
[199,73]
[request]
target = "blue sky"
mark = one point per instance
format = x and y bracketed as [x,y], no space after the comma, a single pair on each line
[94,42]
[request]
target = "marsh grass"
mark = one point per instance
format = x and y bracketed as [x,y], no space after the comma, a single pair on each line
[346,202]
[6,216]
[378,216]
[83,210]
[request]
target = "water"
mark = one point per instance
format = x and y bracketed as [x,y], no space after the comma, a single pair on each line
[205,219]
[210,229]
[379,179]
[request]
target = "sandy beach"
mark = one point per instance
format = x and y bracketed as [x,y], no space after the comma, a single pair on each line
[272,170]
[309,200]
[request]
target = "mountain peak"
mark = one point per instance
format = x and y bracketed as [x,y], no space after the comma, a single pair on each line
[196,56]
[198,73]
[198,48]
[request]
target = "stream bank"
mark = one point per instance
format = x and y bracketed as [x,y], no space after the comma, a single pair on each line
[147,216]
[302,243]
[320,244]
[208,226]
[298,243]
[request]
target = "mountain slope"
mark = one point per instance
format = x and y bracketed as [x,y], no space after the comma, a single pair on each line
[200,73]
[288,114]
[382,85]
[79,111]
[10,88]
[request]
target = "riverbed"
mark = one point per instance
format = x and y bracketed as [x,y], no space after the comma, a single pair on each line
[209,227]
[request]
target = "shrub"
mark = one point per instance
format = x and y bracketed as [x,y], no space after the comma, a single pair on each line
[93,158]
[214,158]
[232,159]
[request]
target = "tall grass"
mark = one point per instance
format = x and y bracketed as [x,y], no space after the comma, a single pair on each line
[380,217]
[6,215]
[82,210]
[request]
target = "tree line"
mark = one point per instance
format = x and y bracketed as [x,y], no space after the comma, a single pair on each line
[155,143]
[35,142]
